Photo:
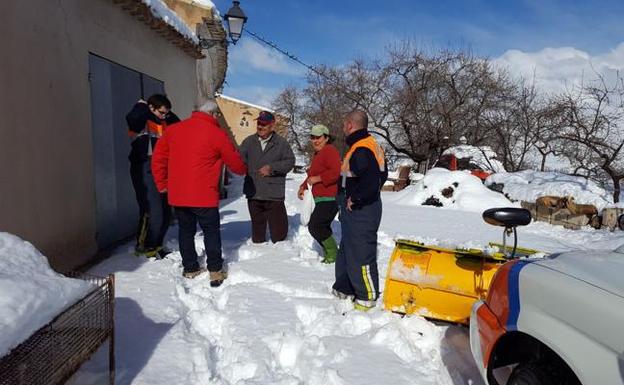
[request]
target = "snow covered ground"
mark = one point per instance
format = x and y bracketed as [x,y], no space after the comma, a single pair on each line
[483,156]
[31,293]
[451,189]
[274,321]
[528,185]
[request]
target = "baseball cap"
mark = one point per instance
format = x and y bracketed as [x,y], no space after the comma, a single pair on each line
[265,118]
[318,130]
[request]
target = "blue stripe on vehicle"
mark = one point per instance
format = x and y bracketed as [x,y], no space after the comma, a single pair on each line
[513,282]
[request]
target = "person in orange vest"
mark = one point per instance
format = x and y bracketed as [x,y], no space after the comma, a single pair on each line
[363,173]
[147,121]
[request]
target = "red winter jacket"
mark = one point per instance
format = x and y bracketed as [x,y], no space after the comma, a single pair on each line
[325,163]
[188,158]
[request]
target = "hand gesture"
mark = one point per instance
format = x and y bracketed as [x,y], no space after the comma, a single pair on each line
[300,193]
[349,204]
[265,170]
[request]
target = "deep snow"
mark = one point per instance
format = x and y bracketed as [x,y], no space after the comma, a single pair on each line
[31,293]
[274,321]
[453,189]
[528,185]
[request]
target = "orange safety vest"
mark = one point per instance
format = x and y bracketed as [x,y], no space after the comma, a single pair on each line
[152,128]
[370,143]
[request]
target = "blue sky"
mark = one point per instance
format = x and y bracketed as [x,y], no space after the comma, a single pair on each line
[527,33]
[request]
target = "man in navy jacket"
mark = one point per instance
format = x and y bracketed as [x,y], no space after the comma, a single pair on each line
[362,176]
[147,121]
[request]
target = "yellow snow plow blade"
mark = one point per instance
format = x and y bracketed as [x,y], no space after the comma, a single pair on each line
[439,283]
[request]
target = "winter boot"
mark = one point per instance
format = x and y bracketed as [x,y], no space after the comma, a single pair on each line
[152,252]
[330,250]
[193,274]
[217,278]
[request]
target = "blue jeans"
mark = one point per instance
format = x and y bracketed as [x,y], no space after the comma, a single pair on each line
[209,222]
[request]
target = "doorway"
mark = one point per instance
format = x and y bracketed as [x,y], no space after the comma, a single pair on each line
[114,90]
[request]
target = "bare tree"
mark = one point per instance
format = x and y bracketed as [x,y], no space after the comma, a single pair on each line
[289,104]
[523,122]
[420,102]
[595,130]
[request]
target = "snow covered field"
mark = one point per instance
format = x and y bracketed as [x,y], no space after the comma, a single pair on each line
[274,321]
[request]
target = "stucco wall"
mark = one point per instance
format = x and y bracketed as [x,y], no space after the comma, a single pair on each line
[46,165]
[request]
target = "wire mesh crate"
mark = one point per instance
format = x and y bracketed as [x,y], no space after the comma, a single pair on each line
[57,350]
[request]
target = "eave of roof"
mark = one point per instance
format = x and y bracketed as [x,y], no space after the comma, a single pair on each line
[244,103]
[143,12]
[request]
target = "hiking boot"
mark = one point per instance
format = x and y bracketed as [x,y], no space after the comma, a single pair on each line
[330,250]
[153,252]
[362,305]
[217,278]
[193,274]
[341,295]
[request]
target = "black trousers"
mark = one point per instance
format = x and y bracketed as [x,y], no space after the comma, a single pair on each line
[209,222]
[154,211]
[321,219]
[271,212]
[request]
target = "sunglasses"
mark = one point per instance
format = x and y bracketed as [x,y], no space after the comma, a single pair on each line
[312,137]
[161,113]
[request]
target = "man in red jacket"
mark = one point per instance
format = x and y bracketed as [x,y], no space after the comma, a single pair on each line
[187,164]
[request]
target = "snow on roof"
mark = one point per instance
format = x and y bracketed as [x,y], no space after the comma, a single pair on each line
[244,102]
[482,156]
[160,10]
[529,185]
[457,190]
[204,4]
[32,293]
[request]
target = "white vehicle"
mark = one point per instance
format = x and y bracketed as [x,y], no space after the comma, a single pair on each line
[557,320]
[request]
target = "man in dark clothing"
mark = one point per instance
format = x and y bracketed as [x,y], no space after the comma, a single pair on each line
[147,122]
[187,164]
[269,158]
[362,176]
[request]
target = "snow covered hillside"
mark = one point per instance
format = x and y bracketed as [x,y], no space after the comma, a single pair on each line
[274,321]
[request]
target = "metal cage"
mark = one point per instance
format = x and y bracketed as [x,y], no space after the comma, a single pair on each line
[57,350]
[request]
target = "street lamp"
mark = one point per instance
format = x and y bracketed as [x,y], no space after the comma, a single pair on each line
[235,19]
